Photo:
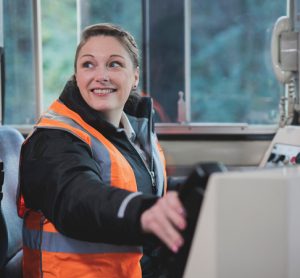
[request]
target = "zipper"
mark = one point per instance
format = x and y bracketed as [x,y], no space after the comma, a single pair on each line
[149,139]
[150,171]
[154,187]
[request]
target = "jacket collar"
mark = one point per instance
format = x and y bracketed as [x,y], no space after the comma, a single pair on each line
[136,106]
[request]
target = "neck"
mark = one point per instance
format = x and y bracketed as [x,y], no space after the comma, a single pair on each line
[113,117]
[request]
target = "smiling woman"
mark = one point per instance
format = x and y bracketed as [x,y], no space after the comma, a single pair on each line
[106,179]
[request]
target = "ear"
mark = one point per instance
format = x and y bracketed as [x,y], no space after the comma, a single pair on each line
[136,77]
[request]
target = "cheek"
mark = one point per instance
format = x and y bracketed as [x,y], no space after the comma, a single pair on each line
[81,80]
[127,81]
[126,88]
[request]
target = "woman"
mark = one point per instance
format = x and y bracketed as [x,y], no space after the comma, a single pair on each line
[92,172]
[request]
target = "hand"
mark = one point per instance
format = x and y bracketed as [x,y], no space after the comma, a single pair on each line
[165,219]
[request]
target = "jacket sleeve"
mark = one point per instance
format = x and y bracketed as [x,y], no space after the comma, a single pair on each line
[59,177]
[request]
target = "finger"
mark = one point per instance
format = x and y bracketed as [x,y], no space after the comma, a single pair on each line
[172,209]
[177,219]
[165,225]
[152,222]
[174,202]
[166,232]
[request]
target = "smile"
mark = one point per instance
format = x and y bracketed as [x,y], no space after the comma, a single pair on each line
[103,91]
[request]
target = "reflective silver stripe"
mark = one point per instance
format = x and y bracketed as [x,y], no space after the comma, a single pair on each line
[102,157]
[56,242]
[32,240]
[125,202]
[99,150]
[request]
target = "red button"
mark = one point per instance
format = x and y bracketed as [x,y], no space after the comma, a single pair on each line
[293,160]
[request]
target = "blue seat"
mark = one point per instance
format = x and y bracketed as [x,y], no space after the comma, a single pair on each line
[10,224]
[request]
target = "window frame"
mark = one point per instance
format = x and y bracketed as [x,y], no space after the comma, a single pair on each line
[39,58]
[202,130]
[163,129]
[1,62]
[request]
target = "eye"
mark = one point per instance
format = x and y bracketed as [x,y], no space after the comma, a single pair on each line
[87,64]
[115,64]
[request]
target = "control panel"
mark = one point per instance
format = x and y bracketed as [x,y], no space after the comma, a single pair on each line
[284,149]
[283,155]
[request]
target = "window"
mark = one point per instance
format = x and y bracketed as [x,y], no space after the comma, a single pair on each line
[216,52]
[166,57]
[231,74]
[59,38]
[19,63]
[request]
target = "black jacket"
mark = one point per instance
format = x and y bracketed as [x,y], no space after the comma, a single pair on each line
[59,177]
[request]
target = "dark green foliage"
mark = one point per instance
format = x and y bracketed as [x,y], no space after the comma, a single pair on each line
[232,79]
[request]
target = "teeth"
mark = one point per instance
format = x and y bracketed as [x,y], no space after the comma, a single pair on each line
[102,91]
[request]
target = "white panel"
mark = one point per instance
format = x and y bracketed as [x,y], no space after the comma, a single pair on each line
[248,226]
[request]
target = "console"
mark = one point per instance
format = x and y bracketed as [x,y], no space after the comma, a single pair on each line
[248,226]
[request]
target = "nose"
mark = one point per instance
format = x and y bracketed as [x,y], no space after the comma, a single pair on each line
[102,74]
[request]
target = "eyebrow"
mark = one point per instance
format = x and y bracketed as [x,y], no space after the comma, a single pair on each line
[90,55]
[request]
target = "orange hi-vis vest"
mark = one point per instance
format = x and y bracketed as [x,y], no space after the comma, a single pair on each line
[48,253]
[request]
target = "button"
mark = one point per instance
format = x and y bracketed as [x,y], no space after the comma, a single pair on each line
[297,160]
[271,157]
[293,160]
[279,159]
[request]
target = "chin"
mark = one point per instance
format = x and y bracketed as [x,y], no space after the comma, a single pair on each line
[100,108]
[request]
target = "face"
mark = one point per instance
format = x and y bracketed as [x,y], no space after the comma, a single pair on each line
[105,76]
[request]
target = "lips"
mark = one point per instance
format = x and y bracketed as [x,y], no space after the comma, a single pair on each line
[104,91]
